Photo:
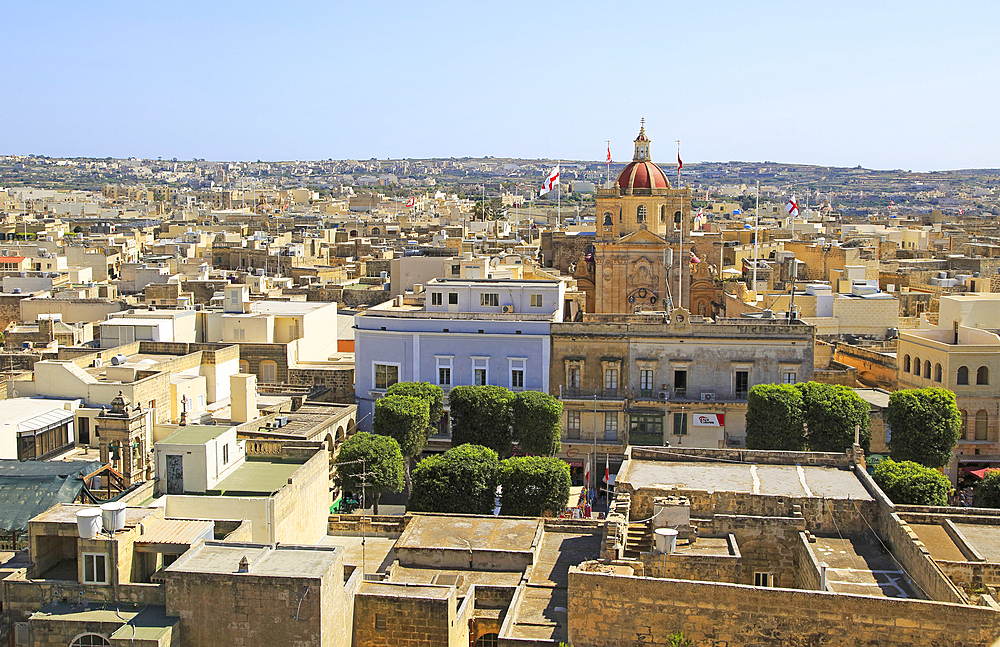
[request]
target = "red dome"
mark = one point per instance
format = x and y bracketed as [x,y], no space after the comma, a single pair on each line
[642,175]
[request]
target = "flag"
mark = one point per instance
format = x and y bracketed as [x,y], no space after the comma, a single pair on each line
[792,207]
[412,202]
[609,153]
[695,260]
[680,164]
[586,473]
[550,181]
[607,469]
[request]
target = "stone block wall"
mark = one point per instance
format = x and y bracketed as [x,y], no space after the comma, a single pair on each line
[609,610]
[340,381]
[387,615]
[681,566]
[302,507]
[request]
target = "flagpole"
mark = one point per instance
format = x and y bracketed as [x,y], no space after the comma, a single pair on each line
[680,244]
[608,182]
[756,234]
[559,194]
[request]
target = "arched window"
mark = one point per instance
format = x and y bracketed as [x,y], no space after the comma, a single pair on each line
[983,375]
[663,213]
[906,363]
[90,640]
[982,424]
[268,371]
[963,375]
[965,424]
[244,366]
[916,366]
[487,640]
[607,219]
[640,213]
[937,373]
[927,369]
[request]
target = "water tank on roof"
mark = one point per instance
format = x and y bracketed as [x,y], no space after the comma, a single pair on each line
[114,516]
[118,360]
[16,290]
[88,522]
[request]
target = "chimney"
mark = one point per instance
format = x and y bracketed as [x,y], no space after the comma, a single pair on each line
[243,397]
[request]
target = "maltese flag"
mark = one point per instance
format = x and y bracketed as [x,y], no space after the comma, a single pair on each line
[550,181]
[412,202]
[792,207]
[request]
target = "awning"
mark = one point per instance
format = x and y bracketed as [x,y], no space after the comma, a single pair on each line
[979,458]
[981,473]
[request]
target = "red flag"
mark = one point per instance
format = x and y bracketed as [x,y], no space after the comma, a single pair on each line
[609,153]
[412,202]
[607,469]
[680,164]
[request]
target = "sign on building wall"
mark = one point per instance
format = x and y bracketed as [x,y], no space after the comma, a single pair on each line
[709,420]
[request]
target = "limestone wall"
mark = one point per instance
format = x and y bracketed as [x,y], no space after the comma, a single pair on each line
[610,610]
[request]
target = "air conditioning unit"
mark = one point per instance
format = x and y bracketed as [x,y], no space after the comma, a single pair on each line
[98,362]
[708,397]
[663,395]
[507,310]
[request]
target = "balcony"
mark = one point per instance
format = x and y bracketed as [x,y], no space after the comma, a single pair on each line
[574,393]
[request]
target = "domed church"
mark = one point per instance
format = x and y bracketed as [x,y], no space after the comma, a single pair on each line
[642,222]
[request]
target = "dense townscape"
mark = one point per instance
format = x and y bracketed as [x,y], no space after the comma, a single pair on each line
[477,402]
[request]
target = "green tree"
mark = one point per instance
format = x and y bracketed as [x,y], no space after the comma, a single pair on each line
[925,425]
[831,412]
[430,392]
[370,459]
[482,415]
[909,483]
[405,419]
[533,486]
[988,490]
[537,421]
[774,418]
[463,480]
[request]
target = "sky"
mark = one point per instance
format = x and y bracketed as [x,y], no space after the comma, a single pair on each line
[883,84]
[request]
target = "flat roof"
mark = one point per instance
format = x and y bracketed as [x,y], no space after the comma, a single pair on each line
[195,434]
[33,413]
[774,480]
[859,564]
[257,476]
[985,539]
[476,533]
[66,513]
[265,560]
[401,590]
[287,307]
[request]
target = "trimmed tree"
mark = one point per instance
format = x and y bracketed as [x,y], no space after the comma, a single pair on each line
[537,421]
[831,412]
[925,424]
[463,480]
[403,418]
[424,390]
[377,457]
[909,483]
[533,486]
[988,491]
[481,415]
[774,418]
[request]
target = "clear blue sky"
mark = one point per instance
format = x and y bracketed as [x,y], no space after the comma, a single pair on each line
[881,83]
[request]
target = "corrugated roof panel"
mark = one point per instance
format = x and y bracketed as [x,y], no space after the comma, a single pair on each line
[177,531]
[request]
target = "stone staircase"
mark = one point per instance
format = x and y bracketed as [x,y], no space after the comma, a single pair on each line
[639,539]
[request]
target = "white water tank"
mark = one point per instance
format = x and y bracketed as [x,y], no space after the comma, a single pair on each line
[114,516]
[666,540]
[88,522]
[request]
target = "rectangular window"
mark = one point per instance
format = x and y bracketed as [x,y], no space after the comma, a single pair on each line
[536,301]
[481,370]
[380,621]
[611,379]
[456,270]
[680,384]
[225,454]
[680,424]
[742,385]
[436,299]
[645,430]
[386,375]
[489,299]
[453,298]
[789,377]
[444,370]
[95,568]
[573,425]
[610,425]
[646,383]
[763,579]
[573,377]
[517,374]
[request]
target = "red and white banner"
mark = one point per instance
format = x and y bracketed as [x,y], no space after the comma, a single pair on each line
[792,207]
[551,181]
[412,202]
[708,420]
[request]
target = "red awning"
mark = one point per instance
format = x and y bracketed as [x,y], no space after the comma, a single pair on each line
[981,473]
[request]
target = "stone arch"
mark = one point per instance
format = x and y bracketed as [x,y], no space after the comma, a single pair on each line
[341,435]
[983,375]
[982,425]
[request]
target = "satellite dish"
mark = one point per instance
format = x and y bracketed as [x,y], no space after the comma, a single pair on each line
[495,261]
